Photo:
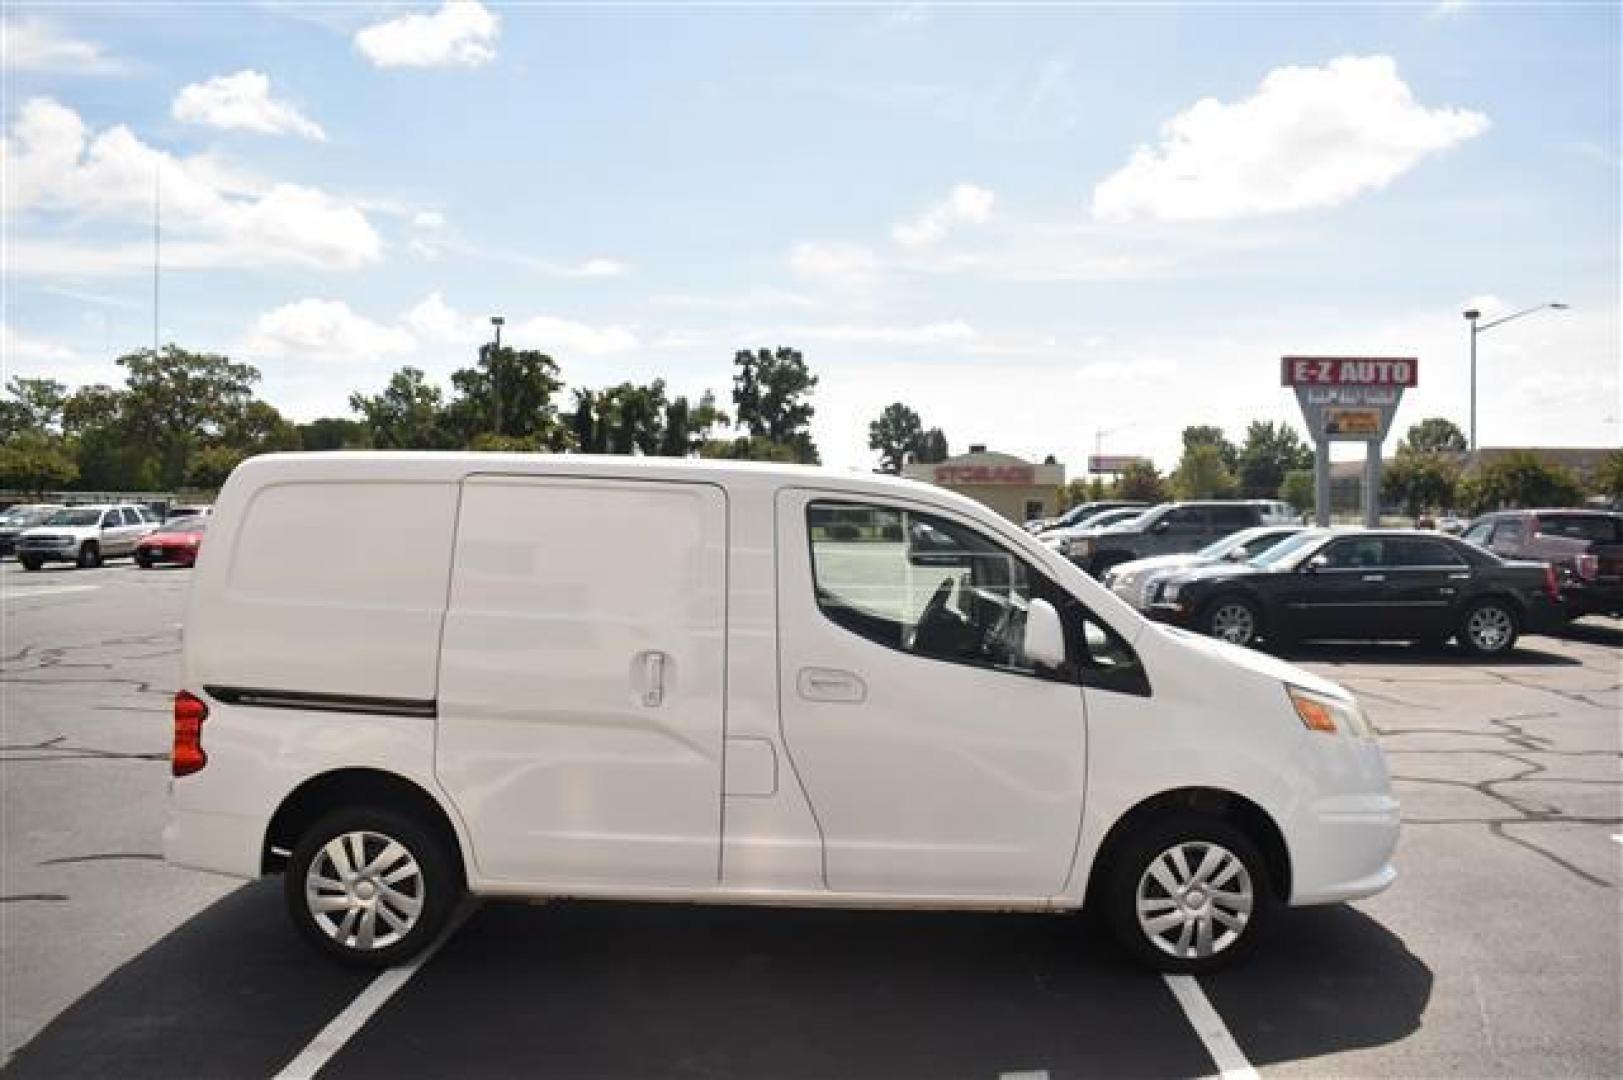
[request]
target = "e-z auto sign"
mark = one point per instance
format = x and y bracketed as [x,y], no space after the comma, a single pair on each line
[1349,371]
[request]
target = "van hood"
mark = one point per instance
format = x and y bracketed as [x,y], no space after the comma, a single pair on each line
[1257,663]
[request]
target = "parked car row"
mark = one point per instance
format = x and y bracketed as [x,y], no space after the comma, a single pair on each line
[87,536]
[1364,584]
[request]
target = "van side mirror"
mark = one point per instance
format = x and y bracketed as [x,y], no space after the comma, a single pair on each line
[1317,563]
[1045,636]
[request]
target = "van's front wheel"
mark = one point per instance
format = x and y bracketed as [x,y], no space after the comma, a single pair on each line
[1188,895]
[370,887]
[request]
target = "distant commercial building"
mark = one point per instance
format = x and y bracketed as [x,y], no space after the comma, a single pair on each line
[1016,488]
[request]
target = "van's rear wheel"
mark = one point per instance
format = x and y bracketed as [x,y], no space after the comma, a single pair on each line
[370,887]
[1188,894]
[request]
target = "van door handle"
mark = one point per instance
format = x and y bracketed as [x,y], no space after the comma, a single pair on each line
[653,679]
[829,684]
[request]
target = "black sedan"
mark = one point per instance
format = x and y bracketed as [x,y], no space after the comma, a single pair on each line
[1368,584]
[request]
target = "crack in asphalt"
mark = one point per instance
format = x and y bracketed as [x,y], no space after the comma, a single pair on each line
[103,856]
[38,897]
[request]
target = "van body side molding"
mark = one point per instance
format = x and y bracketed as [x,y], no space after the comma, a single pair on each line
[319,702]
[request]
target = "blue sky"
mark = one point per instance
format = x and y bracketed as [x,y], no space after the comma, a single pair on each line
[1032,224]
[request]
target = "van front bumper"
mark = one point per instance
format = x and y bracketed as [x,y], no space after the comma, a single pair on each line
[1342,849]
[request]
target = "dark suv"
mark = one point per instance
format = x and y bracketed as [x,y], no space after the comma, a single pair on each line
[1584,546]
[1165,530]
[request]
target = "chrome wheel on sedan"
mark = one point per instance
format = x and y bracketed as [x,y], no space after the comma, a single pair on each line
[1195,900]
[364,890]
[1489,628]
[1234,620]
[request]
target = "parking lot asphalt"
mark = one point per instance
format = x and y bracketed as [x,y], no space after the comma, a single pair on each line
[1496,954]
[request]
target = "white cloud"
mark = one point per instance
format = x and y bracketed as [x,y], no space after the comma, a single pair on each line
[747,300]
[841,265]
[428,219]
[54,163]
[597,268]
[939,333]
[1308,138]
[462,33]
[966,204]
[330,329]
[242,102]
[323,330]
[1447,9]
[15,347]
[35,45]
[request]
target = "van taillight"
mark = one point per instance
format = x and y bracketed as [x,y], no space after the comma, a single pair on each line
[188,756]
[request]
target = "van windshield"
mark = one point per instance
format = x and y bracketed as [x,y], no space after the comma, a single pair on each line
[1285,554]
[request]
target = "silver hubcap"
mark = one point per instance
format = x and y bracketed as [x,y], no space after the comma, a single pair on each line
[1234,622]
[1490,628]
[1195,900]
[364,890]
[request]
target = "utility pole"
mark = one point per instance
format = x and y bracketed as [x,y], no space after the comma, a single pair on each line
[157,247]
[495,374]
[1472,315]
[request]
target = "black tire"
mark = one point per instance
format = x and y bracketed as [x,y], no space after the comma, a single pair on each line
[436,887]
[144,561]
[1489,627]
[89,555]
[1195,835]
[1232,618]
[30,563]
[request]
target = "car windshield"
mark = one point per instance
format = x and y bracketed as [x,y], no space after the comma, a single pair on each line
[185,524]
[1220,548]
[23,518]
[1285,554]
[74,518]
[1107,518]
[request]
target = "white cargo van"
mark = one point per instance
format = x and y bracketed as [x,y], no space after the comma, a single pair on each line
[411,675]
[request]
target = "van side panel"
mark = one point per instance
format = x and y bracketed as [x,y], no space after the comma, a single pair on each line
[331,587]
[581,681]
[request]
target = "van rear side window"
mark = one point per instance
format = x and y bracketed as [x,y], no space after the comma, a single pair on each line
[351,545]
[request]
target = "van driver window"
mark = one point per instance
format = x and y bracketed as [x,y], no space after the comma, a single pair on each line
[921,584]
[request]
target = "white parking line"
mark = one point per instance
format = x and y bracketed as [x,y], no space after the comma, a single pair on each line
[1226,1055]
[1024,1074]
[343,1027]
[1618,837]
[49,590]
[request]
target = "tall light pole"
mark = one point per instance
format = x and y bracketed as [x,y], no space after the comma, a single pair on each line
[1471,316]
[495,377]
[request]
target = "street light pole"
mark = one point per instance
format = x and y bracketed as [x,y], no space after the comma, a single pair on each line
[1472,315]
[495,376]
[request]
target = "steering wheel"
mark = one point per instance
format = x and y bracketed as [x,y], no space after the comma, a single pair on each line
[932,611]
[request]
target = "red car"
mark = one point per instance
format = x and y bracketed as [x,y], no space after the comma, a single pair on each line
[176,541]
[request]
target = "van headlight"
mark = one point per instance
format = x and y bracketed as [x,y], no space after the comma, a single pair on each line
[1320,712]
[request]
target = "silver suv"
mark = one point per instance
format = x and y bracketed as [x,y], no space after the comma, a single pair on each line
[84,535]
[1164,530]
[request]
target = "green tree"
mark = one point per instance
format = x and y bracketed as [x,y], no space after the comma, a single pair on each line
[1609,477]
[176,401]
[797,451]
[34,405]
[770,392]
[1074,493]
[1521,479]
[36,463]
[257,428]
[1297,489]
[933,447]
[110,456]
[407,415]
[688,427]
[1210,435]
[898,435]
[209,466]
[1201,474]
[508,392]
[1270,451]
[1421,480]
[1433,434]
[1141,481]
[333,433]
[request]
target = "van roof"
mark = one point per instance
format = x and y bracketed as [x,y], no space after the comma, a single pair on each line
[453,466]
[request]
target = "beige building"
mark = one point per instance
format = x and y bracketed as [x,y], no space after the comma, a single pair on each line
[1015,488]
